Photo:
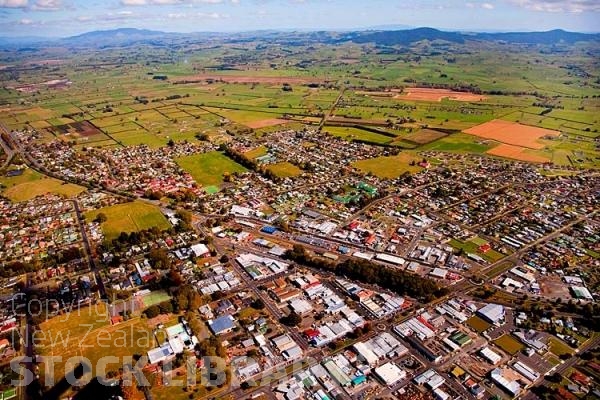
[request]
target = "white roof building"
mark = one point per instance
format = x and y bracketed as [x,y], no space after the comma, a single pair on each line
[493,313]
[365,353]
[440,273]
[511,386]
[200,250]
[491,356]
[390,373]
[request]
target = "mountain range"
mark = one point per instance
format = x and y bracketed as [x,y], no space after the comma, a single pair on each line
[130,36]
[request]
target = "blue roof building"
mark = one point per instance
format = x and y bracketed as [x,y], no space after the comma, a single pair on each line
[222,324]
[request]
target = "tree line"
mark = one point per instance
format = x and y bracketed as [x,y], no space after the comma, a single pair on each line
[399,282]
[249,163]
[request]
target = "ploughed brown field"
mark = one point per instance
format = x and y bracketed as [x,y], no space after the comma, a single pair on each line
[430,94]
[512,133]
[516,153]
[263,123]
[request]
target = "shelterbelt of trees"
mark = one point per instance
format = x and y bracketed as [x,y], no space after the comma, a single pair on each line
[400,282]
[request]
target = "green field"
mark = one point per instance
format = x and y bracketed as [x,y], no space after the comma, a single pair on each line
[558,347]
[155,297]
[256,152]
[460,142]
[285,170]
[32,184]
[87,332]
[129,217]
[472,247]
[509,344]
[389,167]
[208,169]
[358,134]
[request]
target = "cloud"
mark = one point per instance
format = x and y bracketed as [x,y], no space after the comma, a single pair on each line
[199,15]
[171,2]
[485,6]
[83,18]
[557,6]
[47,5]
[13,3]
[25,21]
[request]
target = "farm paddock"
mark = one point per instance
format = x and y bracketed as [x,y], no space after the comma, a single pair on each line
[512,133]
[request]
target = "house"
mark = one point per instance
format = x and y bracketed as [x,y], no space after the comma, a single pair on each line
[200,250]
[222,325]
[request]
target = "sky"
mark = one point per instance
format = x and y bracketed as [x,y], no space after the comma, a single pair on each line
[60,18]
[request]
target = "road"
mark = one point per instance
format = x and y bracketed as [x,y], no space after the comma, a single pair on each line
[11,147]
[7,149]
[88,251]
[331,109]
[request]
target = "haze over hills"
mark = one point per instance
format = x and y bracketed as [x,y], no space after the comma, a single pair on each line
[130,36]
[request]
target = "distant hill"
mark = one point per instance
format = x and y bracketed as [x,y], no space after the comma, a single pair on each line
[549,37]
[113,37]
[406,37]
[123,37]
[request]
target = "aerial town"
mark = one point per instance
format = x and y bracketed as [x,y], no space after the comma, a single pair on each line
[300,216]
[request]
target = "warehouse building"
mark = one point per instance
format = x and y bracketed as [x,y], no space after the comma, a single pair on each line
[493,313]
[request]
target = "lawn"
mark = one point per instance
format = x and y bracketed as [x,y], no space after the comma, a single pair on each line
[498,269]
[558,347]
[472,247]
[129,217]
[285,170]
[389,167]
[31,184]
[208,168]
[478,324]
[509,344]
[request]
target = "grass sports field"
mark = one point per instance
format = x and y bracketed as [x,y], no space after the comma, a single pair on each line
[256,152]
[208,168]
[509,344]
[87,332]
[359,134]
[155,297]
[129,217]
[285,170]
[389,167]
[31,184]
[477,324]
